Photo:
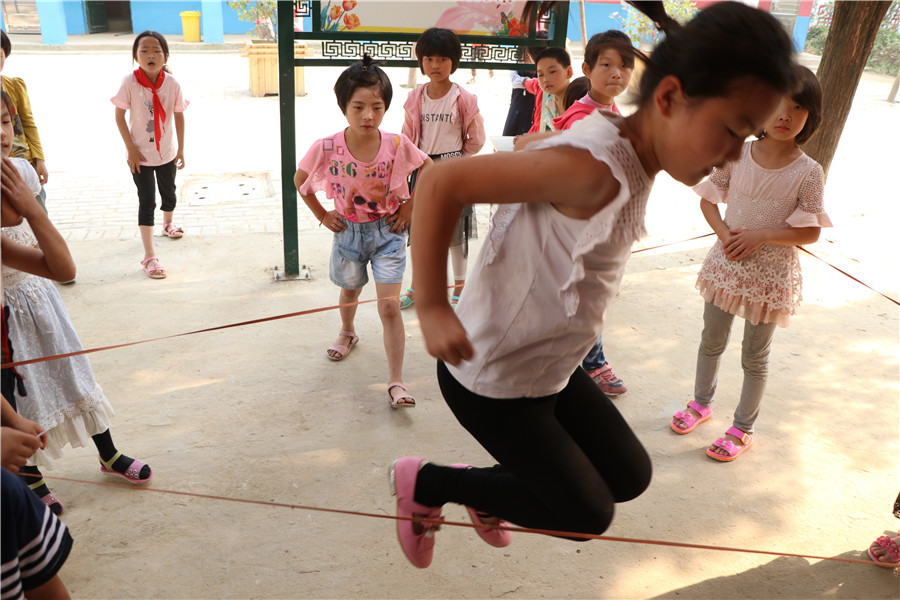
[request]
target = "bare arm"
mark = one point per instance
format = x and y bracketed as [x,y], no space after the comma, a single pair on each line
[714,217]
[134,156]
[401,219]
[328,218]
[738,243]
[577,184]
[53,259]
[179,134]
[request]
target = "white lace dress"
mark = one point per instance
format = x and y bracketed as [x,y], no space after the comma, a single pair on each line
[62,395]
[763,287]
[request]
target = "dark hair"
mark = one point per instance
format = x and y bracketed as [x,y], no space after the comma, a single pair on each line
[578,88]
[808,94]
[17,123]
[723,43]
[154,34]
[5,44]
[614,39]
[439,42]
[8,102]
[558,54]
[362,74]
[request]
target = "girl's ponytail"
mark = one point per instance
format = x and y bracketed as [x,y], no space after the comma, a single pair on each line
[723,43]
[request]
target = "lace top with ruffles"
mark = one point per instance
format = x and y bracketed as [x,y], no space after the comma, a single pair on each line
[535,300]
[765,286]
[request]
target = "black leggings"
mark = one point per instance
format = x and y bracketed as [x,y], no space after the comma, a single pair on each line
[146,185]
[565,459]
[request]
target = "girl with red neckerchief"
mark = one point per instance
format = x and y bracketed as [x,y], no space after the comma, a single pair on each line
[154,138]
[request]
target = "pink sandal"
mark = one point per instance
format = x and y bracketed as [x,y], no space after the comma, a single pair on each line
[395,399]
[153,272]
[494,535]
[172,230]
[418,547]
[732,450]
[340,348]
[890,549]
[688,418]
[132,474]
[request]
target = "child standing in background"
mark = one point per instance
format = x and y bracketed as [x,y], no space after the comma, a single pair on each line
[443,120]
[554,70]
[364,171]
[774,203]
[608,65]
[154,100]
[521,101]
[27,141]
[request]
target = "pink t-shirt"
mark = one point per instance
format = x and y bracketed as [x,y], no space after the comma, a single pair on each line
[361,191]
[138,101]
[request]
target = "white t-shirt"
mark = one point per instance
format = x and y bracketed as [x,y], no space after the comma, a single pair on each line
[539,289]
[441,127]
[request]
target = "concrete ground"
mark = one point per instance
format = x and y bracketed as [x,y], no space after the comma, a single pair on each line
[258,414]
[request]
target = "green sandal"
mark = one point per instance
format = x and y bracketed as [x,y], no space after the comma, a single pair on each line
[406,300]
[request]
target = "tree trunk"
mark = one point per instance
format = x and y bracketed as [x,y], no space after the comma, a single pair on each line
[853,30]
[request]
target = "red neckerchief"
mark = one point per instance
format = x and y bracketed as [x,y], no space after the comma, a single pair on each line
[159,115]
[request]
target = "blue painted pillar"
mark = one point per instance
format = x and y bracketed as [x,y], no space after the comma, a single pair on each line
[211,23]
[52,16]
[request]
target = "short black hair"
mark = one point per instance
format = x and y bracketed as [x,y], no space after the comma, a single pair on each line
[558,54]
[614,39]
[362,74]
[5,44]
[578,89]
[808,94]
[439,42]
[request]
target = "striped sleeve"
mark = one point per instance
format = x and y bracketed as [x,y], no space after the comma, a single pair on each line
[35,542]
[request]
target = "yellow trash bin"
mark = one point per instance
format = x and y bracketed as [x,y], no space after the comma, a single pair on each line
[190,25]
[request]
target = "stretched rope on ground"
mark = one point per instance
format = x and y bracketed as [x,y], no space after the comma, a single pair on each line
[550,532]
[325,308]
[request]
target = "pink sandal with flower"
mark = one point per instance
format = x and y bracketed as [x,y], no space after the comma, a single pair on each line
[688,418]
[891,551]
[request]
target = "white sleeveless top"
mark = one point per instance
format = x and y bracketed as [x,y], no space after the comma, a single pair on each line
[539,289]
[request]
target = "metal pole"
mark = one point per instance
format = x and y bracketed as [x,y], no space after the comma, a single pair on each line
[288,140]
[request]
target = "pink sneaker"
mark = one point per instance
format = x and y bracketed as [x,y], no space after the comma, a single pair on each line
[498,538]
[607,380]
[418,547]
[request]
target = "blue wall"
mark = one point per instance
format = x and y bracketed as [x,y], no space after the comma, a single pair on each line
[597,16]
[801,30]
[76,20]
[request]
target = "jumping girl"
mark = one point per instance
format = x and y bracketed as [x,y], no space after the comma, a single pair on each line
[509,356]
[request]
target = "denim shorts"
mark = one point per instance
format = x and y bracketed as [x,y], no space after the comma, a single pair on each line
[362,243]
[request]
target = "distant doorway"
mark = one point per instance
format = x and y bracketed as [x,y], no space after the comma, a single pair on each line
[108,15]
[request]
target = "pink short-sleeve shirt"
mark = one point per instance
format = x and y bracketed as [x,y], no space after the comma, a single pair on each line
[138,101]
[361,191]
